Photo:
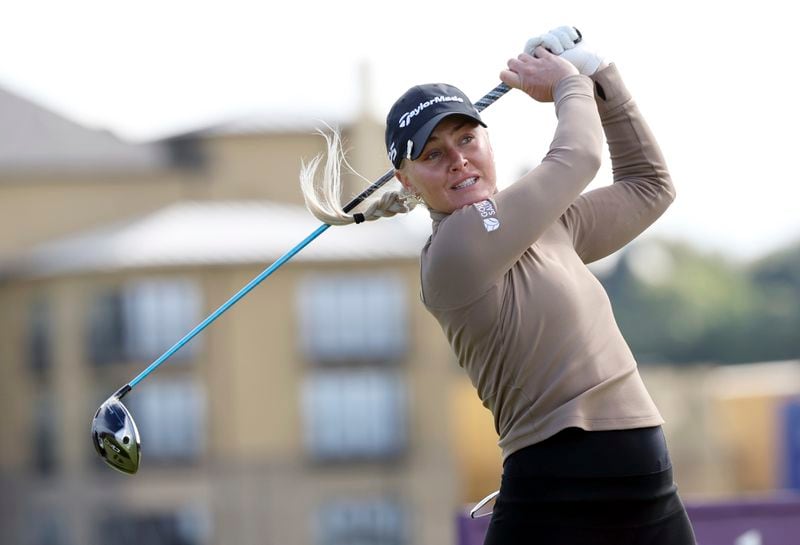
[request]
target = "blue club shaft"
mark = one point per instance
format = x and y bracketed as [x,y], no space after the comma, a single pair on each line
[229,303]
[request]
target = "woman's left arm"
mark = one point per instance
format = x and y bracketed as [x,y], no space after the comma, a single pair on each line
[604,220]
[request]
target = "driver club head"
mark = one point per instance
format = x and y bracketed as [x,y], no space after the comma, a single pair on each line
[115,437]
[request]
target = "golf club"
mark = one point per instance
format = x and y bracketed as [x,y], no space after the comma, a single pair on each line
[114,432]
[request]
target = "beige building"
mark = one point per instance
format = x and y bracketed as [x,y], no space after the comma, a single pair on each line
[324,408]
[316,411]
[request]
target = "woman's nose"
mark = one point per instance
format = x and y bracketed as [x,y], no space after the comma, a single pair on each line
[457,160]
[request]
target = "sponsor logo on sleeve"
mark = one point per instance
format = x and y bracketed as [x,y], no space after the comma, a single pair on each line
[488,213]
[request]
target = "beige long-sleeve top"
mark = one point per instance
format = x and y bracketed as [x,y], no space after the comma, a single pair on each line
[507,278]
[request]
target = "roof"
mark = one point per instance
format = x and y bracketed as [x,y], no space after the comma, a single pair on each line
[269,123]
[219,233]
[33,138]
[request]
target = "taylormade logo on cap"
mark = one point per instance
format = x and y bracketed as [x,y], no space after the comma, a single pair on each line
[405,118]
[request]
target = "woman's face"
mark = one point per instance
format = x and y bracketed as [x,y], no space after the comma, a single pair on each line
[455,169]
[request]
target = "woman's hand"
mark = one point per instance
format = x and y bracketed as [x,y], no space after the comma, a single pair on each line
[537,74]
[567,42]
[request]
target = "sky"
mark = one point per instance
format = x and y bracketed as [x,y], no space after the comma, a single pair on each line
[716,81]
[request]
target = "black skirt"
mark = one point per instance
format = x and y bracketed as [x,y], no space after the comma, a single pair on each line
[590,488]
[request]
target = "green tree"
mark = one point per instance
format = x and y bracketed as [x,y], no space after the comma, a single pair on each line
[690,307]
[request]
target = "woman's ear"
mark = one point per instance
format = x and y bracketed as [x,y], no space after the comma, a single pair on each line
[404,181]
[488,141]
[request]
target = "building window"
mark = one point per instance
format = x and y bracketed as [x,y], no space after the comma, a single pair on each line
[170,415]
[46,525]
[105,328]
[142,320]
[40,336]
[353,318]
[45,434]
[361,522]
[354,414]
[180,527]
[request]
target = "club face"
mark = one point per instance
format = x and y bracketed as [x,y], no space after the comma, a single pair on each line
[115,437]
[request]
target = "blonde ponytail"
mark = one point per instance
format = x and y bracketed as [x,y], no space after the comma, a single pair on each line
[323,196]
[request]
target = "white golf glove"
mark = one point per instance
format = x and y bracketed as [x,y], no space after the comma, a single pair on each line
[566,42]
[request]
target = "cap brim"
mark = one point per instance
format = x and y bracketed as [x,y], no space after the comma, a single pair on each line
[420,138]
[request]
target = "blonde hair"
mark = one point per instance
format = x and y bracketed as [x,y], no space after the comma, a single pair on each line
[323,194]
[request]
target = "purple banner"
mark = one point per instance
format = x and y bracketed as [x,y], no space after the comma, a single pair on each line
[765,521]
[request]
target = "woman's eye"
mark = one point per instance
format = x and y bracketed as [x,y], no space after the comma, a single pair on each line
[432,155]
[467,138]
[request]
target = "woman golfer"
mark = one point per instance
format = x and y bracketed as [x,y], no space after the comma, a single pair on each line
[504,272]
